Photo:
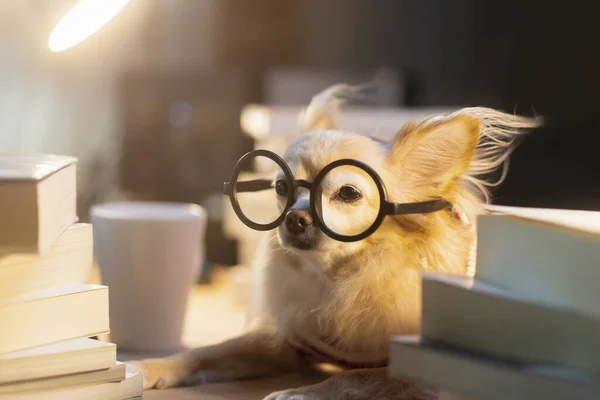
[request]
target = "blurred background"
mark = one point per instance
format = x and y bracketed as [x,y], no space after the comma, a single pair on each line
[151,102]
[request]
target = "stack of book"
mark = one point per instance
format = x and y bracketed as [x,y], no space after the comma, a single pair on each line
[526,326]
[48,314]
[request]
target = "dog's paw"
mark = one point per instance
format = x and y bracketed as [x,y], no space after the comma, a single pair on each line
[160,373]
[294,394]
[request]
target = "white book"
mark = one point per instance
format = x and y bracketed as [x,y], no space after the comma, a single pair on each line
[115,373]
[485,378]
[262,122]
[68,261]
[37,200]
[52,316]
[62,358]
[129,388]
[297,86]
[471,314]
[550,255]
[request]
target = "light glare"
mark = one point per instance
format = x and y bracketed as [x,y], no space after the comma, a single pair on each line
[85,18]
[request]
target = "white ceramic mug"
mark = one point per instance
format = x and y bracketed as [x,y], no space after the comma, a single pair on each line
[148,254]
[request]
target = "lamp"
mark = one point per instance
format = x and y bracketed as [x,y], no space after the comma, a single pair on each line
[84,19]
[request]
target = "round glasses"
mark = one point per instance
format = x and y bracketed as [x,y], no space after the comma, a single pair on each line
[347,199]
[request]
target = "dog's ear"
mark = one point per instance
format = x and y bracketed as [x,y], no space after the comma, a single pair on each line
[435,152]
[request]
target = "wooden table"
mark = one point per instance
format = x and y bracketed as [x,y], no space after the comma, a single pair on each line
[243,390]
[216,312]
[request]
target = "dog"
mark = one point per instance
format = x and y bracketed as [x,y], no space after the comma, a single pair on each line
[323,300]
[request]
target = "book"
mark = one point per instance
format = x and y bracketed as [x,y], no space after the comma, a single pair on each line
[477,376]
[37,200]
[549,255]
[62,358]
[262,122]
[297,86]
[54,315]
[131,386]
[116,373]
[477,316]
[47,312]
[128,388]
[68,261]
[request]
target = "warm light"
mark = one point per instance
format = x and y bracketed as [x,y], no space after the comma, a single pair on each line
[85,18]
[255,120]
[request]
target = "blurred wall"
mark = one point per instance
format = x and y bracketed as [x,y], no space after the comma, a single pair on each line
[65,102]
[68,102]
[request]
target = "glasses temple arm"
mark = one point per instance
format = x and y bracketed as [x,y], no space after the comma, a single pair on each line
[423,207]
[255,185]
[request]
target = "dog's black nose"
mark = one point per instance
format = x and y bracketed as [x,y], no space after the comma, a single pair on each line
[296,221]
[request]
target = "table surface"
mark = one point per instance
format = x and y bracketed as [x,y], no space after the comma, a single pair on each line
[215,313]
[243,390]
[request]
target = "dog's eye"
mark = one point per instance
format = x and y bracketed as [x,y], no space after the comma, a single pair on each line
[349,193]
[281,187]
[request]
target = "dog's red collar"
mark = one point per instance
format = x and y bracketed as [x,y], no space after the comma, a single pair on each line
[325,353]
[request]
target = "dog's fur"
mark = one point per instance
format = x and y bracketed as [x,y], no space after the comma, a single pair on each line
[354,296]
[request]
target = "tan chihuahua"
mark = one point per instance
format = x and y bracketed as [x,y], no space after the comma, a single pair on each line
[324,300]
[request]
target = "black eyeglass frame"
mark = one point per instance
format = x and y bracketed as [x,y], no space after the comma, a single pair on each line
[385,207]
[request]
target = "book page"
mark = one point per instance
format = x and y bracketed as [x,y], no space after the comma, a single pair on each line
[588,221]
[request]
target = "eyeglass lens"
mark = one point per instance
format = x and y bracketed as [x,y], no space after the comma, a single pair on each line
[258,194]
[347,200]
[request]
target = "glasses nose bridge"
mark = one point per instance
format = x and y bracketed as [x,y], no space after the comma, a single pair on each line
[304,199]
[303,183]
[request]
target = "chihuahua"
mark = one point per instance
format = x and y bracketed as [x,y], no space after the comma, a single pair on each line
[328,301]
